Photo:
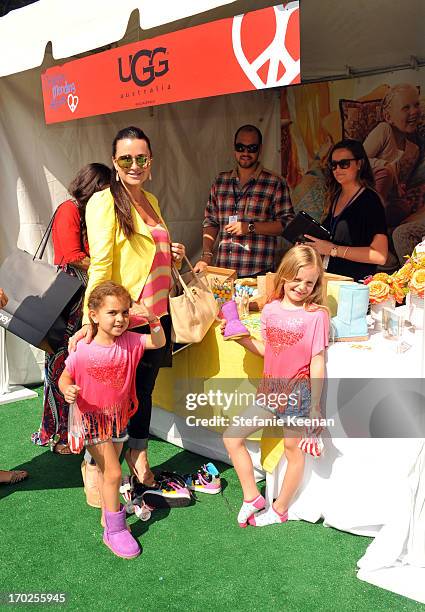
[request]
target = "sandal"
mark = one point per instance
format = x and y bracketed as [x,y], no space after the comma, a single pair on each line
[13,476]
[62,449]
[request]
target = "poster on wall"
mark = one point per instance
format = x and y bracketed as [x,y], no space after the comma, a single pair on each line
[387,114]
[258,50]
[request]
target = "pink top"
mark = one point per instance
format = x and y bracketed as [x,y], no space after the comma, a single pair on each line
[292,339]
[157,287]
[106,374]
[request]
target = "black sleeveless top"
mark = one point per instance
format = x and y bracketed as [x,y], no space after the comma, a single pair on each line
[356,226]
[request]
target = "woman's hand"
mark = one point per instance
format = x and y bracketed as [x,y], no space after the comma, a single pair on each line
[85,332]
[323,247]
[178,251]
[3,299]
[140,309]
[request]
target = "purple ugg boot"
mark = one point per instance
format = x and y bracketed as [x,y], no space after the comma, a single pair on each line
[234,328]
[117,537]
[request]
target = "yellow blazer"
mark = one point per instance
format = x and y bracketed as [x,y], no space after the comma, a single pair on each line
[112,255]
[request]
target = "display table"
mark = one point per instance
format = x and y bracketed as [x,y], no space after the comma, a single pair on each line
[373,487]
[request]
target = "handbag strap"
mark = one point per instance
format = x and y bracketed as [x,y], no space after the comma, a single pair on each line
[179,279]
[195,276]
[43,242]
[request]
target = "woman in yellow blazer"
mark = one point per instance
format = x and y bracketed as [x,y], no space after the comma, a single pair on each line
[129,244]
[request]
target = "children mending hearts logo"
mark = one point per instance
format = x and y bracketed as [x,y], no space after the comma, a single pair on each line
[271,57]
[72,102]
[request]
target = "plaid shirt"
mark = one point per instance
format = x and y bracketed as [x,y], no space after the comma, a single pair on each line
[265,197]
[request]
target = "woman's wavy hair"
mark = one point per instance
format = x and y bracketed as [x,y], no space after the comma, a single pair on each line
[100,292]
[89,180]
[365,177]
[298,257]
[122,199]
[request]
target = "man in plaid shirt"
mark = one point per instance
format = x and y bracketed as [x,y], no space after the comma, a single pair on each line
[247,209]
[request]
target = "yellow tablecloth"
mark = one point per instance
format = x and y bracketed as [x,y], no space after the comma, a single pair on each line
[212,364]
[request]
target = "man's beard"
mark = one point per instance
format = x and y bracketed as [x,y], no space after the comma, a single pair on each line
[245,164]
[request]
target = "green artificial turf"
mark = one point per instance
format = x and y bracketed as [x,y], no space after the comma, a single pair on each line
[194,558]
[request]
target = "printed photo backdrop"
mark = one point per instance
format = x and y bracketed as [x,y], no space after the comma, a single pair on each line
[387,114]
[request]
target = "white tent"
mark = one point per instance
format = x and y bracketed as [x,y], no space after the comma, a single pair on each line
[339,38]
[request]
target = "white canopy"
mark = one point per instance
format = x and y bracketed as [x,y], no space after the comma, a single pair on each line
[79,26]
[339,38]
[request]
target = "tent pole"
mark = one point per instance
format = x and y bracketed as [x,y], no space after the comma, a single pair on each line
[351,73]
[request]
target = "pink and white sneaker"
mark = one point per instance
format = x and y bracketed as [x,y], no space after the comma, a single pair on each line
[204,480]
[249,508]
[268,517]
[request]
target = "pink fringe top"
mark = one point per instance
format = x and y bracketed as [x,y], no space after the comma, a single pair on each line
[106,376]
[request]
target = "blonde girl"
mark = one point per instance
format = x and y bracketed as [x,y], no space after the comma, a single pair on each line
[295,330]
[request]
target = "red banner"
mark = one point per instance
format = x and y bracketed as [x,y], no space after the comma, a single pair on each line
[253,51]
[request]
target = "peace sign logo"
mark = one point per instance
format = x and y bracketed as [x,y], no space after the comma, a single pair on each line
[270,57]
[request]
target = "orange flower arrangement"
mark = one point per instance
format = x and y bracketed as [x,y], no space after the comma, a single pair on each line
[417,282]
[379,291]
[410,277]
[384,286]
[404,275]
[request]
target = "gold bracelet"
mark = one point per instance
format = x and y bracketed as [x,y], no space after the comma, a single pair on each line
[345,252]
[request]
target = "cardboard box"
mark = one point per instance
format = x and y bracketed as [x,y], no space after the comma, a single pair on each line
[269,283]
[223,274]
[335,277]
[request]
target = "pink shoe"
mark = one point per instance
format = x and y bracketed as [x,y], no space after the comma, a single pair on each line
[234,328]
[117,537]
[268,517]
[249,508]
[205,480]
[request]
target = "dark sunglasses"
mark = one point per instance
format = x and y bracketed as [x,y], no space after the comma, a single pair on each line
[342,163]
[241,148]
[126,161]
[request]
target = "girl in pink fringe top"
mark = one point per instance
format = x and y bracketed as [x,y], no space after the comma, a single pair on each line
[99,380]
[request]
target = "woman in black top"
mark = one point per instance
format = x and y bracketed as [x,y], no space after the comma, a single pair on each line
[354,215]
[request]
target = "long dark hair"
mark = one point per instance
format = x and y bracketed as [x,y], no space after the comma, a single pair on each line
[122,200]
[90,179]
[366,178]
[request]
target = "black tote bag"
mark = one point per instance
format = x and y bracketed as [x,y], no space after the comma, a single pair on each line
[40,296]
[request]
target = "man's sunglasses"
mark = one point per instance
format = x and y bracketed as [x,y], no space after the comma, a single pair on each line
[342,163]
[126,161]
[241,148]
